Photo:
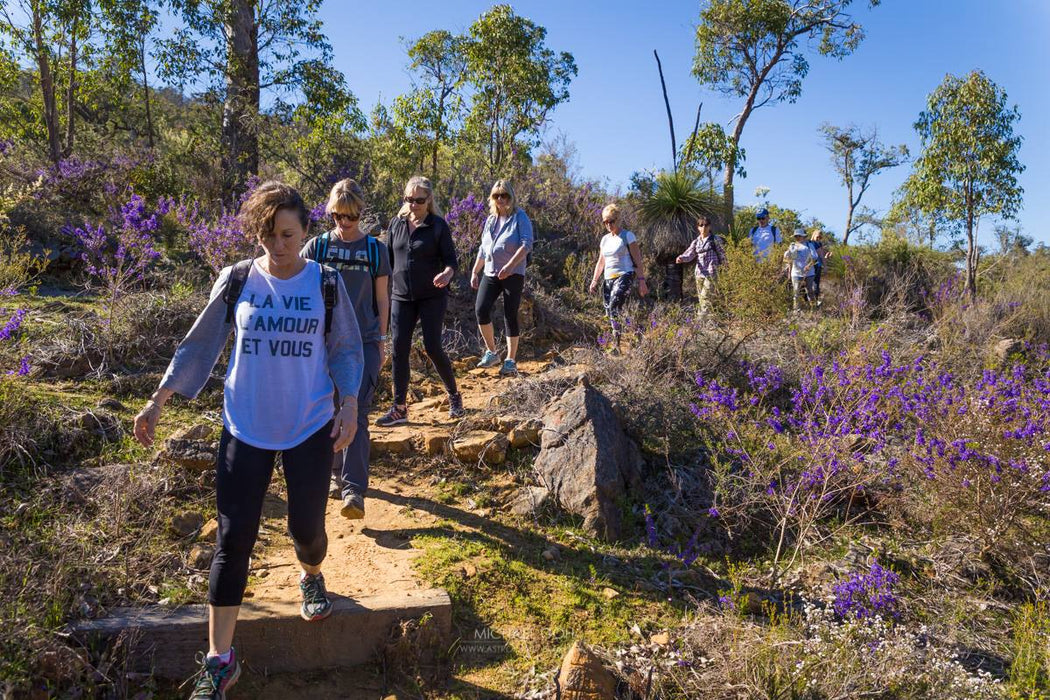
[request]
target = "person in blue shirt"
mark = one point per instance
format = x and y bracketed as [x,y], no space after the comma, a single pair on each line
[499,270]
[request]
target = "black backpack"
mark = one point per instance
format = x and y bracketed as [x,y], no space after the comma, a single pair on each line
[239,275]
[320,254]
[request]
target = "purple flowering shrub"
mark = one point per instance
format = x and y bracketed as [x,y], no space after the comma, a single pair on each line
[466,218]
[969,456]
[869,594]
[120,256]
[216,238]
[9,336]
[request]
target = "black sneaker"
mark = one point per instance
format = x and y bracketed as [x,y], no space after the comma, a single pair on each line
[395,416]
[316,604]
[353,506]
[215,677]
[455,405]
[335,487]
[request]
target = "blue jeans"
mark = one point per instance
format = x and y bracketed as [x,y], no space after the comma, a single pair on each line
[351,465]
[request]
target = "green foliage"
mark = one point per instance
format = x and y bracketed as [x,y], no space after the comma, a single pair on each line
[709,150]
[752,292]
[516,81]
[1030,670]
[969,165]
[756,50]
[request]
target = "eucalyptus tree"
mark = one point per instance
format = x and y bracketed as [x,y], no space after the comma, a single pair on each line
[857,156]
[969,163]
[240,49]
[756,50]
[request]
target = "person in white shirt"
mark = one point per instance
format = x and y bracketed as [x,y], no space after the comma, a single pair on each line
[803,260]
[764,235]
[619,263]
[296,342]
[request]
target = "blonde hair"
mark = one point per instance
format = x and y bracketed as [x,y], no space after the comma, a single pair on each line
[502,186]
[816,232]
[421,183]
[611,211]
[346,197]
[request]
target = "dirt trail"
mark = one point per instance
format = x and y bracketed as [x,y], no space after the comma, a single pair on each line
[372,555]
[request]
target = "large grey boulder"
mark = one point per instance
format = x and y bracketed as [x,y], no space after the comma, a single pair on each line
[586,461]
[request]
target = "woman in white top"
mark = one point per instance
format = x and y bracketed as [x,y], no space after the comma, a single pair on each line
[619,263]
[296,341]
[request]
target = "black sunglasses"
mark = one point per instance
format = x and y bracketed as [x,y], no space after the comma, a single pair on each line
[340,218]
[416,200]
[500,195]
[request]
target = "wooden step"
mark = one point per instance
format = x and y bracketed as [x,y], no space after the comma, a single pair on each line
[270,637]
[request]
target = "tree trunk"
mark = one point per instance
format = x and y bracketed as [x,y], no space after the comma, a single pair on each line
[145,90]
[71,88]
[849,225]
[47,88]
[672,283]
[971,252]
[240,110]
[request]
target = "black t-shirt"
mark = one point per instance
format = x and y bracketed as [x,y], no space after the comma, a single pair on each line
[418,258]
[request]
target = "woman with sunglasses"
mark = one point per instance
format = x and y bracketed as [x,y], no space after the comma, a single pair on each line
[709,251]
[364,264]
[619,263]
[423,258]
[506,242]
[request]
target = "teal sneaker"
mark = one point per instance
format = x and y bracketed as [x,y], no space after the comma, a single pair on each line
[215,677]
[509,368]
[489,359]
[316,604]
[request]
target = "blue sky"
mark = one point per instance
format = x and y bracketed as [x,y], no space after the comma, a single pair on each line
[616,117]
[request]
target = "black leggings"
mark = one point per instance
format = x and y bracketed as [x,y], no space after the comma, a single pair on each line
[404,315]
[816,279]
[242,476]
[489,291]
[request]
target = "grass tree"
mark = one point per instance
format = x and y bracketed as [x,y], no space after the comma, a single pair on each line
[669,214]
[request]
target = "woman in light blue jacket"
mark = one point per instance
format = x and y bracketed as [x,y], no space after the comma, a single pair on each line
[499,269]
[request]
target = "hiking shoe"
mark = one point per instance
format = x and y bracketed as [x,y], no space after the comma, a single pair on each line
[316,605]
[335,487]
[353,506]
[215,677]
[489,359]
[455,405]
[509,368]
[395,416]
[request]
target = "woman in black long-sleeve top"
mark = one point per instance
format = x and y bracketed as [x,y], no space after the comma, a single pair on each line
[423,259]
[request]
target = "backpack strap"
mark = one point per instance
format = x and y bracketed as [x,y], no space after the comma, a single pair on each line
[773,229]
[372,250]
[330,293]
[235,285]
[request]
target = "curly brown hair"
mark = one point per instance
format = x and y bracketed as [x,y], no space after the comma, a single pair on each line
[258,211]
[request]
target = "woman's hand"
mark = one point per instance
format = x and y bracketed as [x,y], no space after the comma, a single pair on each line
[444,278]
[594,286]
[146,422]
[643,288]
[475,280]
[505,272]
[344,426]
[680,259]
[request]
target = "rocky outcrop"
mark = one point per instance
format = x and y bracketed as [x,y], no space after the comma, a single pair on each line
[586,461]
[584,677]
[488,446]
